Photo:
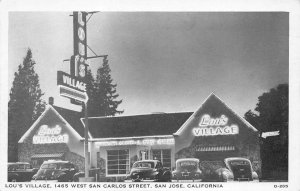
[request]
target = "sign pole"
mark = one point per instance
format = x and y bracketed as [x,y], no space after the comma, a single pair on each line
[86,142]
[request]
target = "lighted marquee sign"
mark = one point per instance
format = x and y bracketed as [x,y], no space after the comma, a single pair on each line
[79,65]
[71,87]
[209,126]
[138,142]
[46,135]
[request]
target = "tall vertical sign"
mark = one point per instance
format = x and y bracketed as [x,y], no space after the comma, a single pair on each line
[78,60]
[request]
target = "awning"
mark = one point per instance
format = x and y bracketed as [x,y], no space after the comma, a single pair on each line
[215,148]
[49,155]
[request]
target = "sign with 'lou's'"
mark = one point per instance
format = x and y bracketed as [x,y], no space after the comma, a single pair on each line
[209,126]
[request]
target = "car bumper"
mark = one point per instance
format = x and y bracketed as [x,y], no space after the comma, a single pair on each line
[44,180]
[184,180]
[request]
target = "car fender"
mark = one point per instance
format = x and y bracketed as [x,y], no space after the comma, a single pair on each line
[254,176]
[224,174]
[77,176]
[13,177]
[167,176]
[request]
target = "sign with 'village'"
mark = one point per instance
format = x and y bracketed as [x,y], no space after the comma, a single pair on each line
[209,126]
[65,79]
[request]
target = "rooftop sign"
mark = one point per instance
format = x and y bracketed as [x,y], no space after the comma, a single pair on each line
[47,135]
[269,134]
[148,142]
[209,126]
[71,87]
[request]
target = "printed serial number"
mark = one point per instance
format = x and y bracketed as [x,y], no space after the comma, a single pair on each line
[281,186]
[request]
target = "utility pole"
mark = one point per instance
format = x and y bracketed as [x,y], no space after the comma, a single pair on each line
[78,68]
[86,142]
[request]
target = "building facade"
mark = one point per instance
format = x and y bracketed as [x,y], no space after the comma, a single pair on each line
[211,133]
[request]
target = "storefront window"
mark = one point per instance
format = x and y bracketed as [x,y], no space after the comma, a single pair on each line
[117,162]
[164,155]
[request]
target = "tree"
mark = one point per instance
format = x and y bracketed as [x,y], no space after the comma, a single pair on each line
[25,104]
[271,114]
[271,109]
[102,93]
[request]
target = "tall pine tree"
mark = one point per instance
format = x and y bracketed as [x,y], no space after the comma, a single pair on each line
[103,95]
[25,104]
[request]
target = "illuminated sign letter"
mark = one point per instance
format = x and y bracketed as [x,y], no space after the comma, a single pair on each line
[47,135]
[209,126]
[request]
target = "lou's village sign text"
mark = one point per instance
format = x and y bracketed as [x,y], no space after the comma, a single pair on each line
[209,126]
[47,135]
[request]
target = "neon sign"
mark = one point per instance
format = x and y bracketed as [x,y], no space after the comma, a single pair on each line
[48,135]
[209,126]
[138,142]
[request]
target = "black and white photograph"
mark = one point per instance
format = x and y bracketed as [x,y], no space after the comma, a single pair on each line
[150,98]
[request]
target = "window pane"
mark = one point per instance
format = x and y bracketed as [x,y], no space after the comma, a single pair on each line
[164,155]
[123,152]
[112,152]
[118,162]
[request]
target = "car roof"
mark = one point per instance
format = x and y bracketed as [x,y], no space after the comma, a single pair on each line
[236,158]
[22,163]
[16,163]
[56,161]
[187,159]
[148,161]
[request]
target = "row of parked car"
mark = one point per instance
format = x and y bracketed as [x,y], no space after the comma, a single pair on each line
[188,169]
[52,170]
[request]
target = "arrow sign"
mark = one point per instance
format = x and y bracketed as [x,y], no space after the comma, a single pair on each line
[73,94]
[71,87]
[269,134]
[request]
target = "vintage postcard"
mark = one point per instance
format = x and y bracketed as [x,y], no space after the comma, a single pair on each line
[177,95]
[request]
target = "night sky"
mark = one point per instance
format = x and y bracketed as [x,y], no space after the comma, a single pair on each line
[163,61]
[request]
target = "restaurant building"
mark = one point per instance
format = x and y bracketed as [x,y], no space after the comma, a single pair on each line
[211,133]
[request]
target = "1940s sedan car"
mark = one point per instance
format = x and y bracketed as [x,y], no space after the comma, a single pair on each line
[187,170]
[56,171]
[20,172]
[149,170]
[236,169]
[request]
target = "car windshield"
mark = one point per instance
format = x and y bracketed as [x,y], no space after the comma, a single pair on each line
[54,166]
[143,165]
[188,165]
[237,163]
[13,167]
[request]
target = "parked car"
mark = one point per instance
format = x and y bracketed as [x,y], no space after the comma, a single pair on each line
[20,172]
[187,170]
[149,170]
[236,169]
[56,171]
[93,172]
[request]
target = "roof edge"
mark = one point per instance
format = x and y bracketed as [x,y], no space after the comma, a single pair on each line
[135,137]
[26,134]
[180,130]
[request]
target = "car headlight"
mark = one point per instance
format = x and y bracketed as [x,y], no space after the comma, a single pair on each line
[254,176]
[224,173]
